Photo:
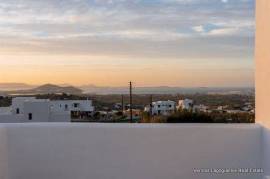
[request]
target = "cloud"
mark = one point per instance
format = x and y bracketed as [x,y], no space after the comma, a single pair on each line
[199,28]
[152,28]
[224,31]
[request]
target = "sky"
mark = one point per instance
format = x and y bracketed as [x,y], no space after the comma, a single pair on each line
[187,43]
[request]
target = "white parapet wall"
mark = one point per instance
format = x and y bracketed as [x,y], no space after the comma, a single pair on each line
[128,151]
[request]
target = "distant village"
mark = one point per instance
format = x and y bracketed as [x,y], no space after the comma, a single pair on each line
[31,109]
[52,103]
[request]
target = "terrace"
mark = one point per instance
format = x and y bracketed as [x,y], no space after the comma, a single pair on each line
[152,151]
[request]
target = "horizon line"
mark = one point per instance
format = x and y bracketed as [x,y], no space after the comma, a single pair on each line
[121,86]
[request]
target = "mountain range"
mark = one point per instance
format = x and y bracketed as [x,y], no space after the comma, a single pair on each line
[21,88]
[167,90]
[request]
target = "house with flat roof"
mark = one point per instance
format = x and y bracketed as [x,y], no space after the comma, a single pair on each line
[161,107]
[30,109]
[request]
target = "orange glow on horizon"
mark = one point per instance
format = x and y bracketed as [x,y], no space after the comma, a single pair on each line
[115,71]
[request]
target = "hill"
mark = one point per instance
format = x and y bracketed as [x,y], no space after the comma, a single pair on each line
[50,88]
[46,89]
[92,89]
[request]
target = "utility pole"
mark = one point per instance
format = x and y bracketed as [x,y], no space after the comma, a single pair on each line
[122,103]
[130,102]
[151,106]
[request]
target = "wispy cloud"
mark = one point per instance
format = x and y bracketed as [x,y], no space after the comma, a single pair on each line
[120,20]
[181,30]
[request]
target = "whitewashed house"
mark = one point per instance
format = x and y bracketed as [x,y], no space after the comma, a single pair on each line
[5,110]
[200,108]
[161,107]
[186,104]
[30,109]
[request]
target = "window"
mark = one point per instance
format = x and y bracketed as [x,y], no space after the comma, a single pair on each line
[18,111]
[30,116]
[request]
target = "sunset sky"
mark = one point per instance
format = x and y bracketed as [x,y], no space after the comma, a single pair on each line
[189,43]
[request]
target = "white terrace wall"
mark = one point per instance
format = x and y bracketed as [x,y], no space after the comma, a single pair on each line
[124,151]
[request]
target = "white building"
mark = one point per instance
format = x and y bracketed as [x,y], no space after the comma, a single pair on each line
[186,104]
[30,109]
[161,107]
[222,108]
[200,108]
[5,110]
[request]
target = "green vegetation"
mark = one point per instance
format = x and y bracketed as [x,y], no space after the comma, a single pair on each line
[214,117]
[5,101]
[200,117]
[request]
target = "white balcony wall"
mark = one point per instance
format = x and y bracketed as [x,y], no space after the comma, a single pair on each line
[121,151]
